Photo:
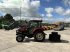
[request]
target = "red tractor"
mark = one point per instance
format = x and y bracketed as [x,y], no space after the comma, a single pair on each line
[33,28]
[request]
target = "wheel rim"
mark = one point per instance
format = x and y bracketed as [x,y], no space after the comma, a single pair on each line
[39,36]
[19,38]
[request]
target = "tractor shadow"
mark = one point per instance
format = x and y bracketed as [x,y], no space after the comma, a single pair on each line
[45,41]
[61,41]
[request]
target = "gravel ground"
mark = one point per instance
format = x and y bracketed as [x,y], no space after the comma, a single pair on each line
[9,44]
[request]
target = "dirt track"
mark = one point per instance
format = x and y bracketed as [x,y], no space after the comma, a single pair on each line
[9,44]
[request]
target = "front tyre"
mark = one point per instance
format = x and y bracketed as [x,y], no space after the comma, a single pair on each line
[19,38]
[39,37]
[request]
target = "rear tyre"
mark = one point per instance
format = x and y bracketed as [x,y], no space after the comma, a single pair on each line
[20,38]
[39,37]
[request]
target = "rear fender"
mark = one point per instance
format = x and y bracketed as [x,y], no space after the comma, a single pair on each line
[38,30]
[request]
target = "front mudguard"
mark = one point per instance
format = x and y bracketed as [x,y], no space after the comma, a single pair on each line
[18,33]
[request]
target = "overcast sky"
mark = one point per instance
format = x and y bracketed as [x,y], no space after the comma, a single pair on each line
[49,10]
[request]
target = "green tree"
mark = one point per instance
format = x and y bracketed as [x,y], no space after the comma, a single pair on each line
[1,19]
[9,18]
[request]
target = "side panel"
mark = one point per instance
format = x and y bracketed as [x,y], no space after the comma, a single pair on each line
[38,30]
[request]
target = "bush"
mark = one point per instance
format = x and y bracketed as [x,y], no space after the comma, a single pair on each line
[0,26]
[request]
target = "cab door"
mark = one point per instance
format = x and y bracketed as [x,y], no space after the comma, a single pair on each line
[32,25]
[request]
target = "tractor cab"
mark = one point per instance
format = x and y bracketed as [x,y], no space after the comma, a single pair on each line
[34,25]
